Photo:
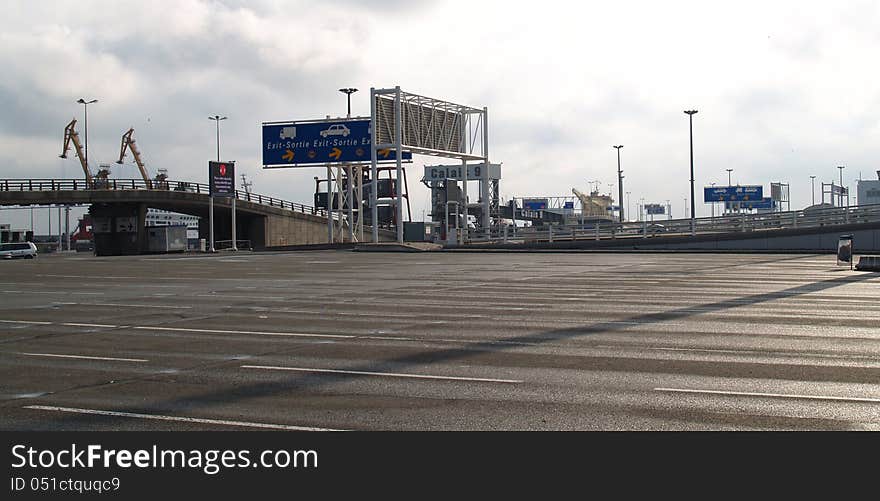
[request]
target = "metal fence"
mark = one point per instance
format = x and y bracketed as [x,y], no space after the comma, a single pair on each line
[600,230]
[140,184]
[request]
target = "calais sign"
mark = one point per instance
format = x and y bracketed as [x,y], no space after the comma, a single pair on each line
[455,172]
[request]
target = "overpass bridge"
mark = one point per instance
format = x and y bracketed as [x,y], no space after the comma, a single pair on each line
[263,220]
[808,230]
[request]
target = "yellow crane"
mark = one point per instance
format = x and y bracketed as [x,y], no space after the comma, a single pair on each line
[128,142]
[70,134]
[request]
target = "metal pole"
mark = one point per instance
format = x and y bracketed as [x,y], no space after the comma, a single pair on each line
[60,246]
[487,192]
[690,114]
[840,192]
[374,185]
[86,112]
[398,143]
[621,216]
[348,175]
[67,225]
[211,222]
[329,205]
[813,189]
[464,177]
[234,244]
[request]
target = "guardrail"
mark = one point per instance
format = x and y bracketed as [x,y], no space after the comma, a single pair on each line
[731,223]
[140,184]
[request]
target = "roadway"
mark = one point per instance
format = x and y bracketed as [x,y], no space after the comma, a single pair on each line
[347,340]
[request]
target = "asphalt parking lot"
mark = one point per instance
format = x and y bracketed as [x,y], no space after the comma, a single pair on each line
[342,340]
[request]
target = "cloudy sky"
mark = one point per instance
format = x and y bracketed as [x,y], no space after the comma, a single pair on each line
[784,89]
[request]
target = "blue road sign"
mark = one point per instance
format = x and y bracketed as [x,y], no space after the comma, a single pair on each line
[655,209]
[733,193]
[535,203]
[764,203]
[308,143]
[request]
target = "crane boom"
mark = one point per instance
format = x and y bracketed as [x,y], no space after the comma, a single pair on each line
[128,141]
[70,134]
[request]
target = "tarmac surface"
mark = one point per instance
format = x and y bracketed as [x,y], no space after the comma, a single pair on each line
[342,340]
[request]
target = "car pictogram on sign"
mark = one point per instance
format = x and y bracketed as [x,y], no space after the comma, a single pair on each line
[336,130]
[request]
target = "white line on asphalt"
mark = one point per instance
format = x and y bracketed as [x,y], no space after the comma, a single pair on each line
[385,374]
[103,326]
[136,305]
[260,333]
[84,357]
[771,395]
[25,322]
[159,417]
[222,296]
[740,352]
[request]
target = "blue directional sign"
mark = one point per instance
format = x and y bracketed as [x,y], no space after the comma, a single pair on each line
[733,193]
[655,209]
[764,203]
[293,144]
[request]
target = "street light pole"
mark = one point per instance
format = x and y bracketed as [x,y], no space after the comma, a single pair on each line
[713,205]
[86,104]
[348,91]
[690,114]
[840,193]
[813,189]
[217,119]
[620,184]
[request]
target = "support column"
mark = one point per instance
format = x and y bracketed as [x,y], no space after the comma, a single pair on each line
[398,143]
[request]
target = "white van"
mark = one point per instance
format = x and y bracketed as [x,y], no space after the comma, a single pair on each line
[26,250]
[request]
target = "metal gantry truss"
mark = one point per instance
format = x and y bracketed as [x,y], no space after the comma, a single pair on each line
[428,126]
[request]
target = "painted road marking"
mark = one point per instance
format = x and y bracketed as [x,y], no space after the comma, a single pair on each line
[159,417]
[84,357]
[260,333]
[25,322]
[771,395]
[130,305]
[102,326]
[382,374]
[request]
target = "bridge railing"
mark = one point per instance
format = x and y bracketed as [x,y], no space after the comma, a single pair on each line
[140,184]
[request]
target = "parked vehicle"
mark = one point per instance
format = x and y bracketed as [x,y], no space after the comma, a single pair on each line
[24,250]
